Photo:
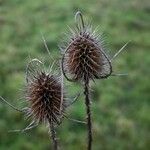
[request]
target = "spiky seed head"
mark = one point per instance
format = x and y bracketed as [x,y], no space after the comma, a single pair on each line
[44,97]
[84,55]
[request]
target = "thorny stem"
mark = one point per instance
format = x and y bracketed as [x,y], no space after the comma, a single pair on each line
[88,112]
[86,90]
[53,135]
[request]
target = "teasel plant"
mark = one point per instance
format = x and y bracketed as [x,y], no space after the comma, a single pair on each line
[84,59]
[45,97]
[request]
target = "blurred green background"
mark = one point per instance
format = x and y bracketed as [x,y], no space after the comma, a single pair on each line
[120,105]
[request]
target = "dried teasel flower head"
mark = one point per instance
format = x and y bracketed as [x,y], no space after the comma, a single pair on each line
[84,56]
[44,94]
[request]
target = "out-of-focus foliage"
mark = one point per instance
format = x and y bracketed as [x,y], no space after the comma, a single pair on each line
[120,104]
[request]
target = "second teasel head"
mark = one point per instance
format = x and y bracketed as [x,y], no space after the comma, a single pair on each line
[46,101]
[84,56]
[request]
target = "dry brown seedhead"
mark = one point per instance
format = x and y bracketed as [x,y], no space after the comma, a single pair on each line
[84,55]
[44,97]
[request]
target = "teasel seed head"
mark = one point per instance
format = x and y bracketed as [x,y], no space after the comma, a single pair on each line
[84,56]
[44,95]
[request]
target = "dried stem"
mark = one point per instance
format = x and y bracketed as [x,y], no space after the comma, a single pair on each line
[53,135]
[88,112]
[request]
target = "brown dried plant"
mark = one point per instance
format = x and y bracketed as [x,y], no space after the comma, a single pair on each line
[45,98]
[84,59]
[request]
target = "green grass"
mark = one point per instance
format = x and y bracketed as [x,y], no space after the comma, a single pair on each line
[120,104]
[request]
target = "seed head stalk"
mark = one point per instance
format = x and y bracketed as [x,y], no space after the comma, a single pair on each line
[88,113]
[53,135]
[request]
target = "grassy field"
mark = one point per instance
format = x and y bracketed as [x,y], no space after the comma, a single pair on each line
[120,105]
